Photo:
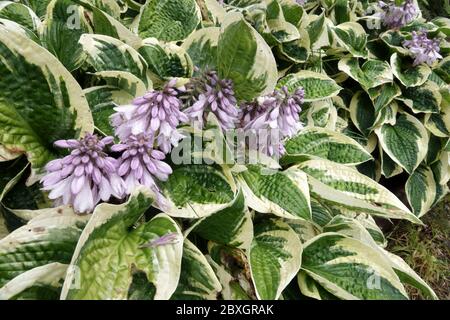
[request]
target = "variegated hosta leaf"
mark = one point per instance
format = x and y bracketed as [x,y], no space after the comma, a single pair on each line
[321,113]
[371,226]
[387,115]
[421,190]
[109,250]
[275,258]
[350,269]
[15,27]
[107,23]
[352,228]
[325,144]
[308,286]
[36,91]
[409,276]
[102,101]
[109,54]
[439,123]
[297,51]
[351,182]
[7,154]
[389,167]
[196,191]
[244,57]
[406,142]
[202,48]
[317,86]
[38,6]
[230,226]
[408,75]
[50,237]
[353,38]
[20,14]
[344,185]
[283,193]
[169,20]
[197,279]
[166,60]
[425,98]
[383,95]
[63,26]
[362,113]
[370,74]
[443,69]
[304,229]
[40,279]
[315,28]
[110,7]
[125,81]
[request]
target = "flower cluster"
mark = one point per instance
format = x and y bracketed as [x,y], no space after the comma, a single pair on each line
[84,177]
[422,49]
[398,16]
[209,93]
[274,118]
[157,113]
[147,130]
[139,162]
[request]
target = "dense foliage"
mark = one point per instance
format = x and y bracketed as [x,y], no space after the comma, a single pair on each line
[100,99]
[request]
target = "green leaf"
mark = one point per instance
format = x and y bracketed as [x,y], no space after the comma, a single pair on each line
[63,26]
[406,142]
[196,191]
[353,38]
[202,48]
[166,60]
[244,57]
[421,190]
[275,258]
[109,54]
[49,237]
[370,74]
[350,269]
[36,91]
[317,86]
[283,193]
[230,226]
[197,280]
[324,144]
[170,20]
[408,75]
[110,249]
[49,275]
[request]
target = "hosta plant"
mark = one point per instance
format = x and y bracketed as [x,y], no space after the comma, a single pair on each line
[189,149]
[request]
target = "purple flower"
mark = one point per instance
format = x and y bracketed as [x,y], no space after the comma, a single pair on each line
[422,49]
[141,164]
[398,16]
[157,112]
[301,2]
[84,177]
[274,118]
[169,238]
[211,94]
